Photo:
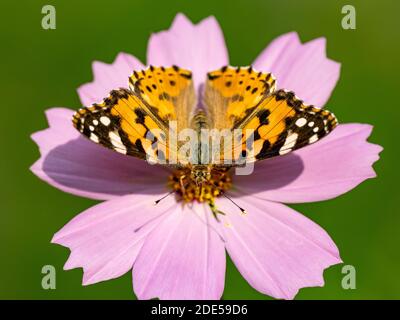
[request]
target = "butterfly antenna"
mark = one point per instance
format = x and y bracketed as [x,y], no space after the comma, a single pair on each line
[163,197]
[230,199]
[168,194]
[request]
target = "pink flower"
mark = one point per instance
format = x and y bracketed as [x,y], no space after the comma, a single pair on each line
[178,252]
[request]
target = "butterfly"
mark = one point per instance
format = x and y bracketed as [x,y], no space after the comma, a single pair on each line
[137,121]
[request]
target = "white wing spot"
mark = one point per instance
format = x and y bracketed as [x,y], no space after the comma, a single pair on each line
[313,138]
[289,143]
[105,120]
[301,122]
[316,129]
[117,142]
[284,151]
[311,124]
[95,122]
[94,138]
[91,128]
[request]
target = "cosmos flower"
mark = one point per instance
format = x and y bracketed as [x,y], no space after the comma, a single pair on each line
[178,252]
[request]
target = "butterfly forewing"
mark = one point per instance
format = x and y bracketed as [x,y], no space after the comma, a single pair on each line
[283,123]
[119,123]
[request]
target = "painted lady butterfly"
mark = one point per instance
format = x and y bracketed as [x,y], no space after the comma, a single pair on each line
[136,122]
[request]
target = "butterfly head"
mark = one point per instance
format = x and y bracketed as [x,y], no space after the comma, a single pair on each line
[200,183]
[200,174]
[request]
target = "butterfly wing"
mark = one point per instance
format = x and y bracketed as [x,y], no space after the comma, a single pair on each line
[119,123]
[231,94]
[273,122]
[135,121]
[283,123]
[167,92]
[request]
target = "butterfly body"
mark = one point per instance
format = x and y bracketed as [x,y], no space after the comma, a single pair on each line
[147,120]
[200,147]
[200,173]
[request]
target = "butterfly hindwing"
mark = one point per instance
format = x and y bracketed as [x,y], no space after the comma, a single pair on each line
[231,93]
[168,92]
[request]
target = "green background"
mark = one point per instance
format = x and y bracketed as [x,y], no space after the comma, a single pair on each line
[42,68]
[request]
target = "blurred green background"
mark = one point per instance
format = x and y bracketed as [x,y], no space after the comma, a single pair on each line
[42,68]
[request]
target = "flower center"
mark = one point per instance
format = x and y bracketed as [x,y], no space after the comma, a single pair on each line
[200,183]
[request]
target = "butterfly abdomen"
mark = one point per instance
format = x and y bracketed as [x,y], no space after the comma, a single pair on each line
[200,121]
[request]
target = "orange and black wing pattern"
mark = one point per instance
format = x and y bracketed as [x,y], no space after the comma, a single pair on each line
[282,123]
[273,122]
[135,121]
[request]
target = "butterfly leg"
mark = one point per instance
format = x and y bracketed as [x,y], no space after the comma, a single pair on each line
[183,187]
[215,210]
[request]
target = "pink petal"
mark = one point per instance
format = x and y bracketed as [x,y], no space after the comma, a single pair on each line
[106,239]
[302,68]
[199,48]
[183,258]
[324,170]
[108,77]
[76,165]
[276,249]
